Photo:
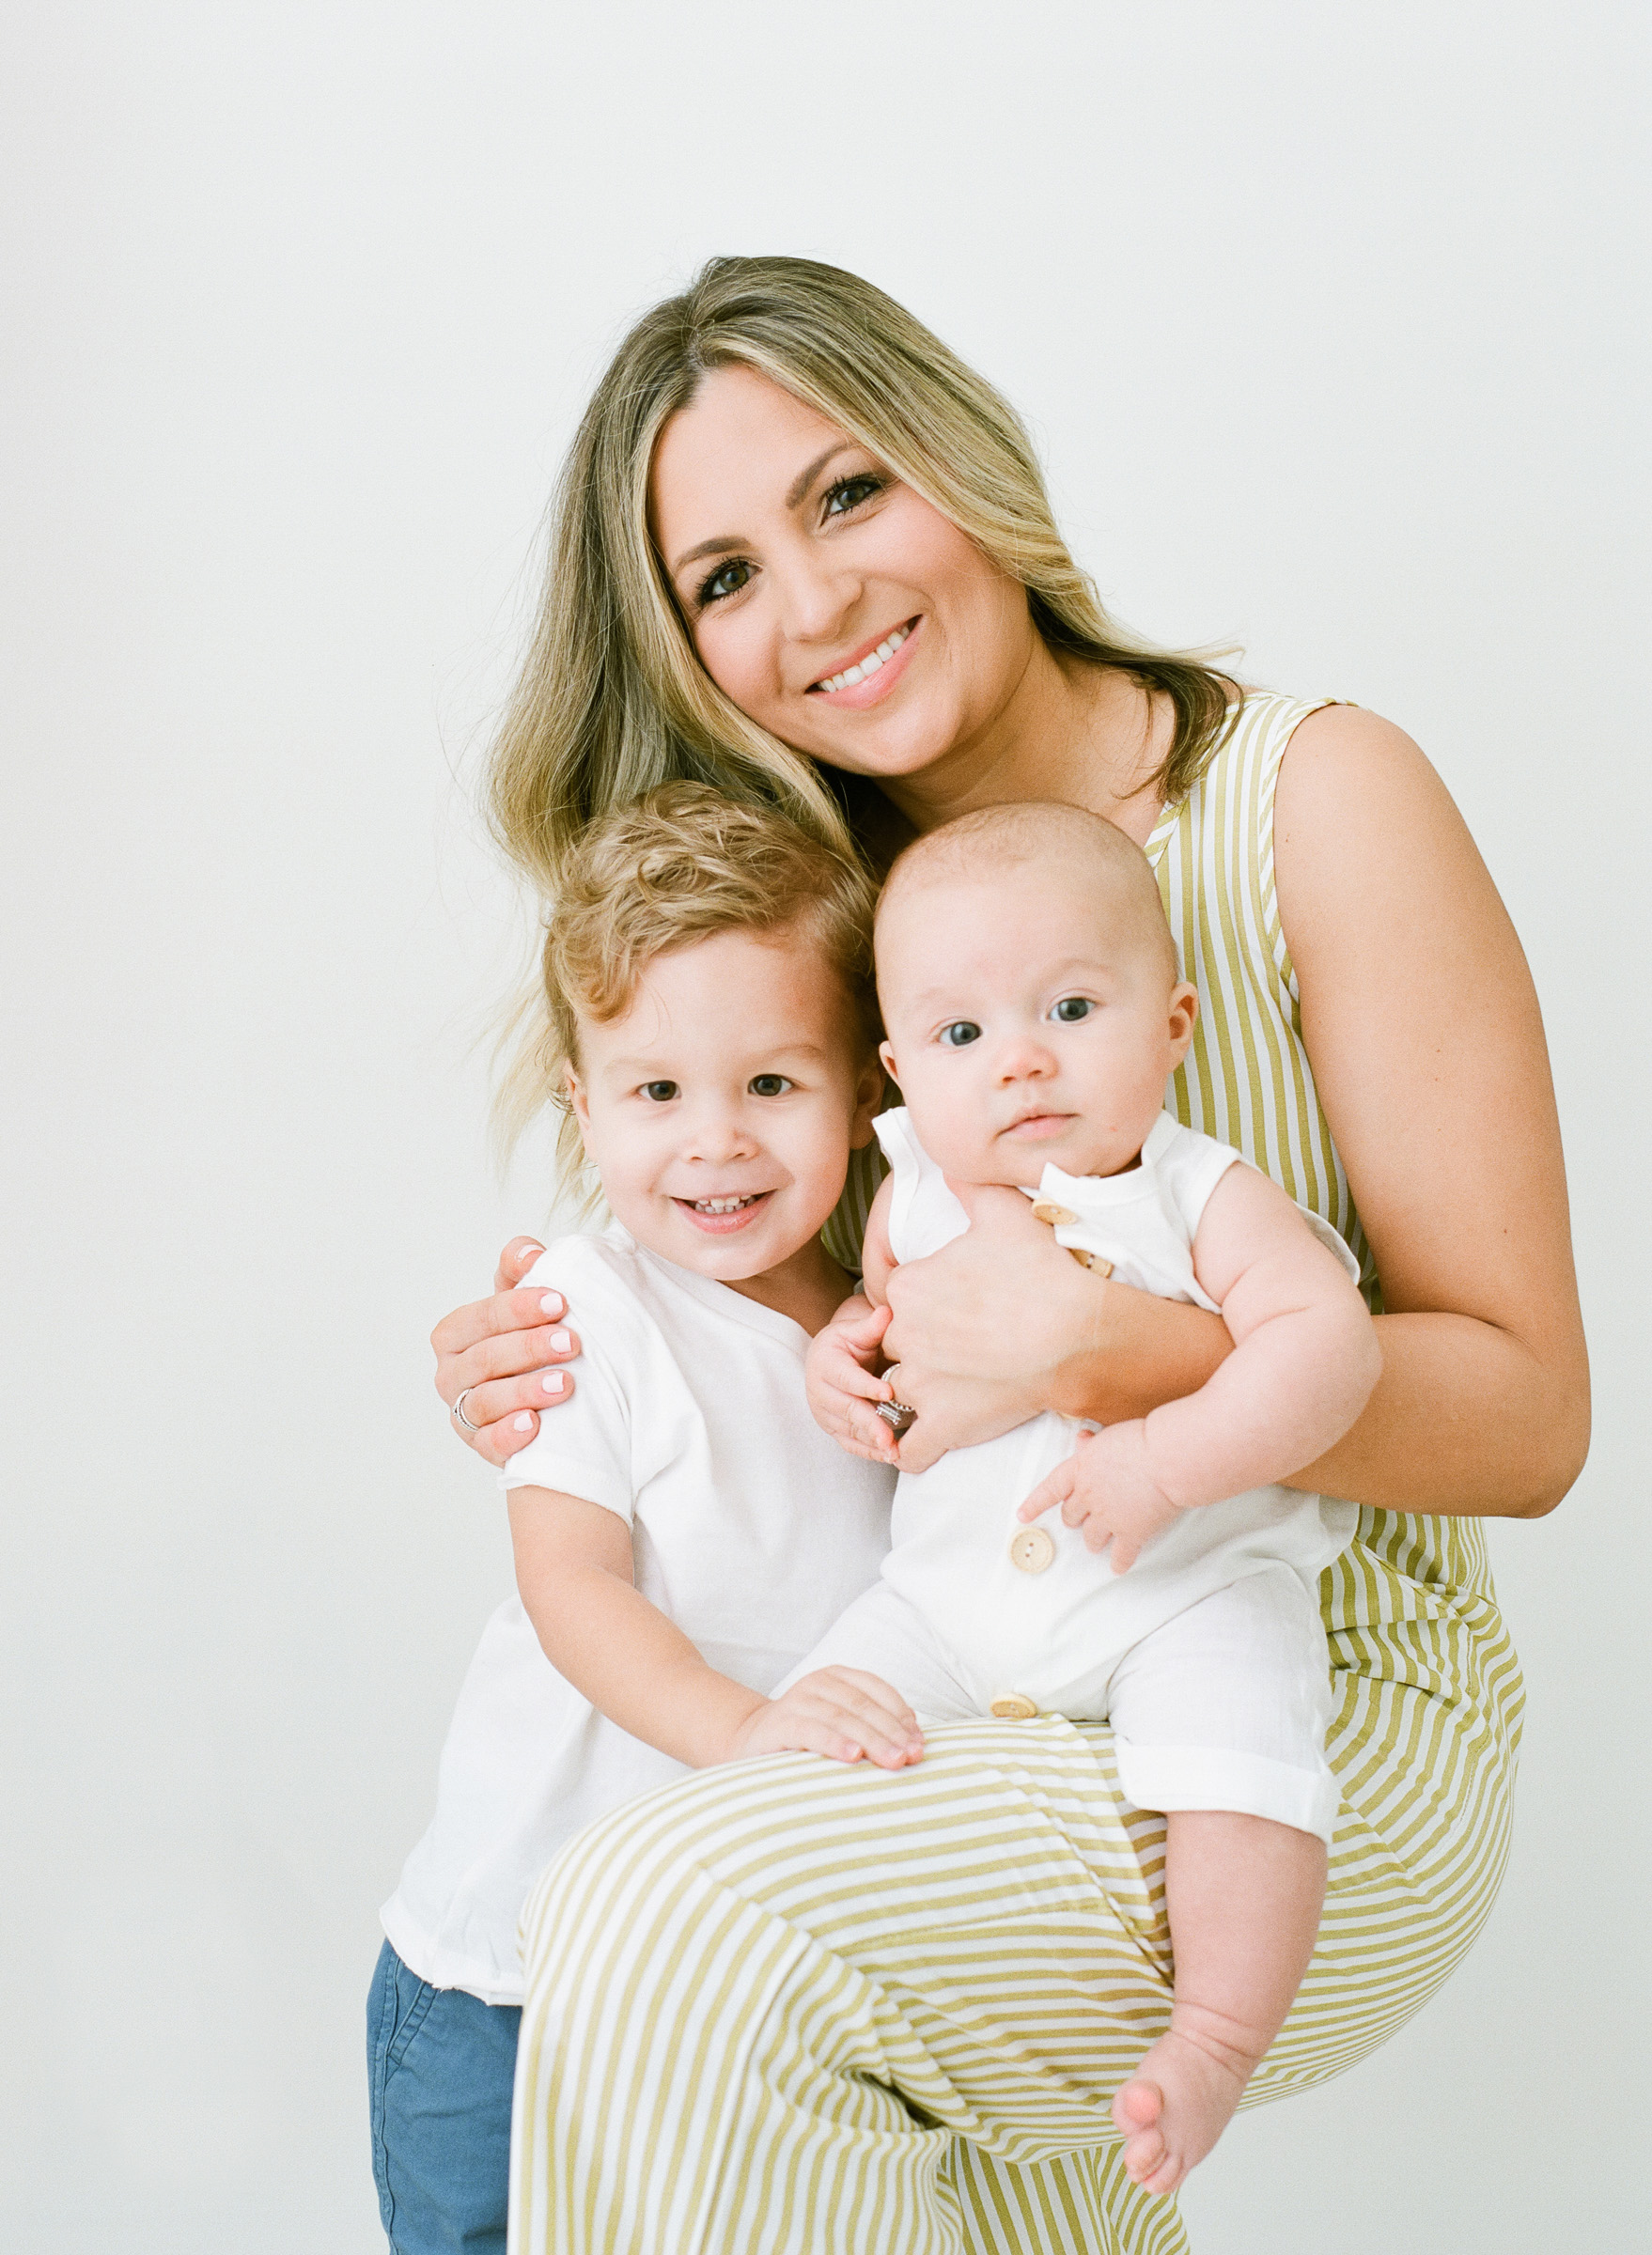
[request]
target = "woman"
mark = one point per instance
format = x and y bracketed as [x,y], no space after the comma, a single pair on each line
[804,553]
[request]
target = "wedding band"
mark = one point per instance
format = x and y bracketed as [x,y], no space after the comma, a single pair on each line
[897,1416]
[458,1411]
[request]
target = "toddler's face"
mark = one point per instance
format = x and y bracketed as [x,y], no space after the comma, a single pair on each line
[1023,1029]
[720,1110]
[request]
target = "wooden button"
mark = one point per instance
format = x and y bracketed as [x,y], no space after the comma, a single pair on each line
[1090,1260]
[1059,1217]
[1015,1706]
[1032,1549]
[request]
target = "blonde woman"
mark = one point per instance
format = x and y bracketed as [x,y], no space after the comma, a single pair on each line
[803,552]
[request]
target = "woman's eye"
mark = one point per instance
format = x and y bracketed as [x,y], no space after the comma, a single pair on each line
[659,1092]
[849,492]
[769,1084]
[1070,1008]
[961,1032]
[729,579]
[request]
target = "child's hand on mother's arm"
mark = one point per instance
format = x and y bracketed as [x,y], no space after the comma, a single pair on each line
[842,1381]
[496,1360]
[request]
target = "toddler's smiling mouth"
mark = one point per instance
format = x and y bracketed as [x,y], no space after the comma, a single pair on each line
[720,1217]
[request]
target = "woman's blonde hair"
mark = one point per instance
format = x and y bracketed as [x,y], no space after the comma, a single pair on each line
[612,699]
[679,864]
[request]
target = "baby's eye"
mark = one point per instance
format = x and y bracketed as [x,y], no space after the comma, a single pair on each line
[659,1092]
[1070,1008]
[768,1085]
[961,1032]
[729,579]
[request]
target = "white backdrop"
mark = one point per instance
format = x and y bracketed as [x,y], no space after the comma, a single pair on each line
[1328,321]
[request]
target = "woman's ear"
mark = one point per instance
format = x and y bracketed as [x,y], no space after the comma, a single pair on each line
[1184,1017]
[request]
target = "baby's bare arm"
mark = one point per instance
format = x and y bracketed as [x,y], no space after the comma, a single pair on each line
[574,1570]
[1305,1354]
[877,1262]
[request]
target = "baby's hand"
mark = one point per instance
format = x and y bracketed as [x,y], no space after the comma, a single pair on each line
[842,1378]
[1106,1488]
[840,1712]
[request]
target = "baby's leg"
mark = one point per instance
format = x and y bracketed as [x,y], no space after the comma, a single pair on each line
[884,1635]
[1219,1718]
[1243,1895]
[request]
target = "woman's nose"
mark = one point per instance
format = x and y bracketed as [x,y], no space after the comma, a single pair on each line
[817,598]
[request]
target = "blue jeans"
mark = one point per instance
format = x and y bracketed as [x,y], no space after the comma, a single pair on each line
[440,2065]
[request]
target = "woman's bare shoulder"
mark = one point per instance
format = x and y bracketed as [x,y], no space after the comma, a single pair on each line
[1360,815]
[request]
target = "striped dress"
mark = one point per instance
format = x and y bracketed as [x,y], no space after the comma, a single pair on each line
[794,2007]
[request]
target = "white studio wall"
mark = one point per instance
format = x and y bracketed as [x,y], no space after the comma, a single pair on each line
[1331,324]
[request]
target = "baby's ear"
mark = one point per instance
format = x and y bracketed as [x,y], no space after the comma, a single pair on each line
[868,1098]
[1184,1017]
[886,1057]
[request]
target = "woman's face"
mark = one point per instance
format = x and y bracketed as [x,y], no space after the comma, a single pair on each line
[798,557]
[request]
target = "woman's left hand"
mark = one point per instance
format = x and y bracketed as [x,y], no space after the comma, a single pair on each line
[1002,1323]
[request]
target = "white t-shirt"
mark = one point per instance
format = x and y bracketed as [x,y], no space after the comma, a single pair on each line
[752,1531]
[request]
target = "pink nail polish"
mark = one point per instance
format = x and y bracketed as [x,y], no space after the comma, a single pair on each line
[552,1304]
[561,1341]
[554,1381]
[524,1423]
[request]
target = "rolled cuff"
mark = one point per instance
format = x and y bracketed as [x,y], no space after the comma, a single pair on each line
[1214,1777]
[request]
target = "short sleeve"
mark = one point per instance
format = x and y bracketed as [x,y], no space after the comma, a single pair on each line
[584,1445]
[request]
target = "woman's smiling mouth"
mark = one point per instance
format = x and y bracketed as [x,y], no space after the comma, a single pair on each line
[872,671]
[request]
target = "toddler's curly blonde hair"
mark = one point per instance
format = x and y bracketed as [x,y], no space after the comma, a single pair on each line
[678,864]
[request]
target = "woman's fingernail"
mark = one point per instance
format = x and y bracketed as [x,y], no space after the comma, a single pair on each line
[560,1343]
[524,1424]
[554,1381]
[552,1304]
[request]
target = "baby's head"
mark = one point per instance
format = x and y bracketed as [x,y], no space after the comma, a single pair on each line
[1030,993]
[709,976]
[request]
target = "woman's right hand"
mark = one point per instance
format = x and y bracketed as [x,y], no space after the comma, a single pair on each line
[502,1354]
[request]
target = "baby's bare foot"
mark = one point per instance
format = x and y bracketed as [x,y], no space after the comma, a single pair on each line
[1177,2104]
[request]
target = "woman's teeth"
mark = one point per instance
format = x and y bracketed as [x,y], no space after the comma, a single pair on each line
[725,1205]
[868,664]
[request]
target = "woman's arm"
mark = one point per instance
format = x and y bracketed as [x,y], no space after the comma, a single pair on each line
[1422,1023]
[574,1569]
[1427,1049]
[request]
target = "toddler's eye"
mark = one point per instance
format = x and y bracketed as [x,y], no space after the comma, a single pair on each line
[659,1092]
[1070,1008]
[961,1032]
[768,1085]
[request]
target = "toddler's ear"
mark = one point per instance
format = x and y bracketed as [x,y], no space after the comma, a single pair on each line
[576,1098]
[887,1055]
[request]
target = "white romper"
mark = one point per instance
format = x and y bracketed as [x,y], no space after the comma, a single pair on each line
[1208,1655]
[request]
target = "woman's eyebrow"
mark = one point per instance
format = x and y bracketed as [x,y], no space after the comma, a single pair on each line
[723,544]
[805,478]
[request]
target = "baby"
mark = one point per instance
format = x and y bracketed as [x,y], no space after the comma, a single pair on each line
[1033,1008]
